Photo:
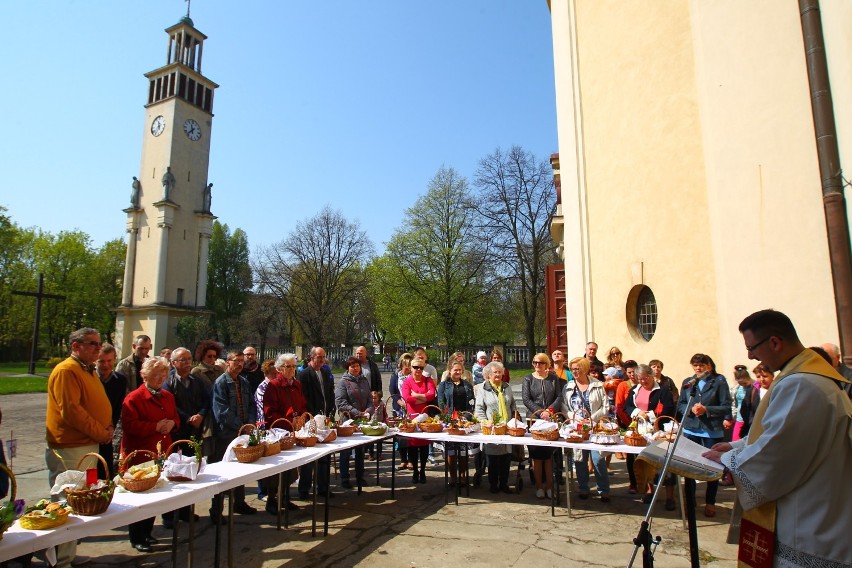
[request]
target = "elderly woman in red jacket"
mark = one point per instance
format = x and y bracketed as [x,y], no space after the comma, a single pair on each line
[148,417]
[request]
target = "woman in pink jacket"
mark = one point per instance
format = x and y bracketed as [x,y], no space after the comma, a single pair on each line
[418,392]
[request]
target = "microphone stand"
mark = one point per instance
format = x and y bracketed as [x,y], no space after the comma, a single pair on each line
[644,539]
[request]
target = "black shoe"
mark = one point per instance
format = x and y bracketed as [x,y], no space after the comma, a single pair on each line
[140,547]
[415,478]
[346,484]
[494,489]
[670,505]
[244,508]
[422,478]
[583,495]
[506,489]
[292,506]
[272,506]
[150,540]
[646,498]
[604,498]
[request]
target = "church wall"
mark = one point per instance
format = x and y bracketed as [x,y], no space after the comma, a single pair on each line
[647,204]
[687,149]
[763,180]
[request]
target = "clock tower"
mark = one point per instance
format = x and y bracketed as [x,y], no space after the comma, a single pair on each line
[169,220]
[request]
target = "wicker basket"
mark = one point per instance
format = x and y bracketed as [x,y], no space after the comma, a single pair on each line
[14,490]
[308,442]
[495,430]
[271,448]
[90,502]
[33,522]
[634,438]
[169,452]
[345,430]
[454,431]
[248,454]
[330,437]
[288,442]
[581,434]
[431,427]
[551,436]
[391,420]
[139,485]
[666,436]
[407,427]
[516,432]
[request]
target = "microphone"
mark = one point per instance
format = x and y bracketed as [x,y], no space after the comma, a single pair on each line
[690,383]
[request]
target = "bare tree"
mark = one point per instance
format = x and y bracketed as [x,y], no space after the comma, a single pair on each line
[516,200]
[316,272]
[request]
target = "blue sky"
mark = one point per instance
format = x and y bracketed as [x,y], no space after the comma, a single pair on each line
[352,104]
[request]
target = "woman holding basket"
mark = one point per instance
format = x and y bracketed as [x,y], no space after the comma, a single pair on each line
[148,417]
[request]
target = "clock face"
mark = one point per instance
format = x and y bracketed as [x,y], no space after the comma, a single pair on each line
[193,131]
[158,125]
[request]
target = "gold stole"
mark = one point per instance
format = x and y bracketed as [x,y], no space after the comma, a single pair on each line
[757,532]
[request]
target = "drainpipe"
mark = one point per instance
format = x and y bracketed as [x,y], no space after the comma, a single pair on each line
[837,224]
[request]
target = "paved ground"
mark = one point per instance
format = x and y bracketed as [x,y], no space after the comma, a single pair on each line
[415,529]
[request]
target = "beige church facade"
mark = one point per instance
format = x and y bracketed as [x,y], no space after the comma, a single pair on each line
[169,222]
[688,170]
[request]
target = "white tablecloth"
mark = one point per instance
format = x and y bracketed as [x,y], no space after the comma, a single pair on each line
[129,507]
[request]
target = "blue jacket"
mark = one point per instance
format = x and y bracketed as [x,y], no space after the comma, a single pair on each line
[445,395]
[226,418]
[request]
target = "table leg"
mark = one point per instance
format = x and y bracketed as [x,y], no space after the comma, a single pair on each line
[175,523]
[314,513]
[230,528]
[393,468]
[218,534]
[189,558]
[327,491]
[278,501]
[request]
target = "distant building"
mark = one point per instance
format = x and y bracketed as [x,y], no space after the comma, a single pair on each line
[170,225]
[687,165]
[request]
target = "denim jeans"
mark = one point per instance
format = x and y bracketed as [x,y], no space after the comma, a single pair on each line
[601,475]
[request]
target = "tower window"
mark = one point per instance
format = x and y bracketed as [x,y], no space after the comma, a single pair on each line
[179,299]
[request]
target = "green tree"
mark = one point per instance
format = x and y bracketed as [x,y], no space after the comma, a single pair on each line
[16,312]
[516,200]
[316,271]
[229,280]
[440,257]
[107,278]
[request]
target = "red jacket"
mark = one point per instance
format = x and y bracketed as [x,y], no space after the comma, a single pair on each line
[283,401]
[139,416]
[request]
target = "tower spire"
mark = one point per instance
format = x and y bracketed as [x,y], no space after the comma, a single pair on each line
[188,5]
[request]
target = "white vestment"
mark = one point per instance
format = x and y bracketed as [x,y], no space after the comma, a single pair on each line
[803,460]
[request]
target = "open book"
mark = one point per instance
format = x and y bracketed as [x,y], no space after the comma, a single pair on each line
[687,460]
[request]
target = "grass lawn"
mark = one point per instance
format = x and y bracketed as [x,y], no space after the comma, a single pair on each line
[15,385]
[22,367]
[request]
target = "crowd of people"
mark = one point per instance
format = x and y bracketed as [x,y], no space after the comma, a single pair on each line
[143,402]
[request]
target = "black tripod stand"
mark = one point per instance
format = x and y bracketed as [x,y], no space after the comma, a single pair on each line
[644,539]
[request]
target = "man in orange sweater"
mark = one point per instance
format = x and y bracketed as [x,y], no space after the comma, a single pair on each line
[79,415]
